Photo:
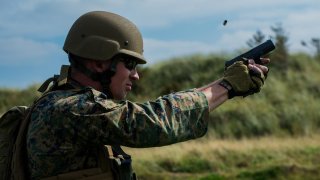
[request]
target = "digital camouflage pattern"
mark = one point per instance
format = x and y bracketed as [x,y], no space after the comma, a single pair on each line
[67,126]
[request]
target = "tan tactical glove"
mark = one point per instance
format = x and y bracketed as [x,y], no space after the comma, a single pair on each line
[240,81]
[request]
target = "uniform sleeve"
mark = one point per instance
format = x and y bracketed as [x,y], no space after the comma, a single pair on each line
[169,119]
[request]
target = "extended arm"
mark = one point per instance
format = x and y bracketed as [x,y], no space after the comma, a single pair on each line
[215,93]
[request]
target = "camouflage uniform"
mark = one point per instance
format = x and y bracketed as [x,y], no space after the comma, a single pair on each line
[67,126]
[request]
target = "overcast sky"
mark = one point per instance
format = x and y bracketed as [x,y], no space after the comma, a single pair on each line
[32,32]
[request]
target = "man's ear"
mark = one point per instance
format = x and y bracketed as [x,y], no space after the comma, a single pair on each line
[99,66]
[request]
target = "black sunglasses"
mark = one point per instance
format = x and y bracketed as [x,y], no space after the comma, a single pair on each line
[129,63]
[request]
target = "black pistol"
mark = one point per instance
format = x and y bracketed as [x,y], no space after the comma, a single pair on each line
[254,53]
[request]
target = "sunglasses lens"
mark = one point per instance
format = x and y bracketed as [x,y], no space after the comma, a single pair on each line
[130,64]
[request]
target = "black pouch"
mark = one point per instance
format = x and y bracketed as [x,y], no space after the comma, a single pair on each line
[121,165]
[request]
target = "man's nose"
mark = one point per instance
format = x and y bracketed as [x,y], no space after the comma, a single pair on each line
[134,74]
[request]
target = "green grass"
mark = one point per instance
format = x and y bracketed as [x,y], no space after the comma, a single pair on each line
[265,158]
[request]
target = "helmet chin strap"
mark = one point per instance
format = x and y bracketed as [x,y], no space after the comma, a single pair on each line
[104,77]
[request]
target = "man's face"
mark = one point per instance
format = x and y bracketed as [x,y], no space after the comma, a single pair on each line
[122,81]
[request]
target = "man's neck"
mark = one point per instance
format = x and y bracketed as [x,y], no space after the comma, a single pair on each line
[84,80]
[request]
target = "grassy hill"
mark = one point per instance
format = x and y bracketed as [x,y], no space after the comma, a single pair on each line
[13,97]
[270,135]
[288,104]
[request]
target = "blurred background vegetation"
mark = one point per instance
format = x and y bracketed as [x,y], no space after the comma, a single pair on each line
[287,107]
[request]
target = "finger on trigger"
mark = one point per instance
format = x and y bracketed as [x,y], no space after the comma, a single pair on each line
[251,61]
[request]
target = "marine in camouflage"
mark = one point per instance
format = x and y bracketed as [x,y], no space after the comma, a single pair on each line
[68,126]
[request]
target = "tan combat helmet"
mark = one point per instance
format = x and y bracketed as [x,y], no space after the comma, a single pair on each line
[100,35]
